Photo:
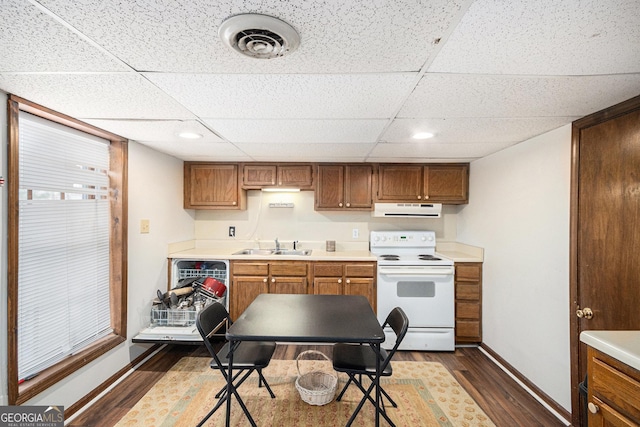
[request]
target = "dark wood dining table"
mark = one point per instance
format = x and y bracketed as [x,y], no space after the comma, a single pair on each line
[286,318]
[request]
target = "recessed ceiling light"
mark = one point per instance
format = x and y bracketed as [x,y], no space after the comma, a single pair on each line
[190,135]
[422,135]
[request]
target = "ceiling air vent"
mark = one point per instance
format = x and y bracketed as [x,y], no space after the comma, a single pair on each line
[259,36]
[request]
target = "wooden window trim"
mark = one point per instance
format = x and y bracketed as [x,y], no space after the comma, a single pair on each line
[20,393]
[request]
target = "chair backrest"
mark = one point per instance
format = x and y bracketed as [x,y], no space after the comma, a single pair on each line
[209,321]
[399,322]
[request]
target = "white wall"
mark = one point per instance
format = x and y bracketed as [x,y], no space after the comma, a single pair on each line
[155,193]
[519,214]
[303,223]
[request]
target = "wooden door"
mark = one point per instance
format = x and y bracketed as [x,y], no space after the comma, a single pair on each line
[211,186]
[446,184]
[358,191]
[605,228]
[329,192]
[360,286]
[244,290]
[327,286]
[257,176]
[297,176]
[399,183]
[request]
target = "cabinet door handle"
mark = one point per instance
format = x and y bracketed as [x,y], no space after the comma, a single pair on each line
[419,197]
[426,197]
[348,281]
[264,280]
[348,204]
[273,280]
[593,408]
[585,313]
[340,204]
[339,280]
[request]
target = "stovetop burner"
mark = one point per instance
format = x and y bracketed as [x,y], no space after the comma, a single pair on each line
[388,257]
[427,257]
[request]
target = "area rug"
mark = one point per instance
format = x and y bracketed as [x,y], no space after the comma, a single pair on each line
[426,393]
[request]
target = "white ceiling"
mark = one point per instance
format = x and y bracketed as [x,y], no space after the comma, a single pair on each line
[481,75]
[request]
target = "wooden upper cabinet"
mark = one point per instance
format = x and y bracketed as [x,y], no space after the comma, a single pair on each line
[212,186]
[256,176]
[344,187]
[447,183]
[437,183]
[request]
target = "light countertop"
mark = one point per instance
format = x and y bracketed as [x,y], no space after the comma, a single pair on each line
[345,251]
[316,255]
[621,345]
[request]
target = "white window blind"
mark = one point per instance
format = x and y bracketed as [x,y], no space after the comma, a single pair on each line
[63,258]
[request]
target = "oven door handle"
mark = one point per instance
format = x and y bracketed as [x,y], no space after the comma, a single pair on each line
[416,272]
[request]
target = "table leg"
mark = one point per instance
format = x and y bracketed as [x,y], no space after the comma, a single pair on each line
[376,348]
[230,389]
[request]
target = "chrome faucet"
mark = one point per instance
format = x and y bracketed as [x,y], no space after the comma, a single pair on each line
[277,245]
[295,245]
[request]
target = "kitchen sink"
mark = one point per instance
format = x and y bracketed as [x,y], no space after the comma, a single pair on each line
[304,252]
[255,252]
[293,252]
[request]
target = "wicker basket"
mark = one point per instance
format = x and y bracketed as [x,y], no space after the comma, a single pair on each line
[316,387]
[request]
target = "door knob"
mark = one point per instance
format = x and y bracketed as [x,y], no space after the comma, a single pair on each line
[593,408]
[586,313]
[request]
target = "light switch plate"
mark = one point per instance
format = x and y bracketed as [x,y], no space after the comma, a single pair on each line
[144,226]
[355,233]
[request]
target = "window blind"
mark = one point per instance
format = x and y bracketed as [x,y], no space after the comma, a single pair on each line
[63,241]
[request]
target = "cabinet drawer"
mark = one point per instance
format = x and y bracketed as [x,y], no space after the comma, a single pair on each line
[615,388]
[467,310]
[359,270]
[467,291]
[327,270]
[468,272]
[289,269]
[250,269]
[467,328]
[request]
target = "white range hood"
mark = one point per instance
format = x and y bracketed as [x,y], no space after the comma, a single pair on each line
[408,210]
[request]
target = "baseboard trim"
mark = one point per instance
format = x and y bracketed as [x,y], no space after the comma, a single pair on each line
[544,399]
[78,407]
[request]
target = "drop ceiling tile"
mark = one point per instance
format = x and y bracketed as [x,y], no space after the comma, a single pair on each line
[467,95]
[294,96]
[336,36]
[198,150]
[298,131]
[32,41]
[546,37]
[109,96]
[155,130]
[426,151]
[305,152]
[472,130]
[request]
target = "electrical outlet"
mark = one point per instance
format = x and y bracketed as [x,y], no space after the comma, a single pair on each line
[144,226]
[232,231]
[355,233]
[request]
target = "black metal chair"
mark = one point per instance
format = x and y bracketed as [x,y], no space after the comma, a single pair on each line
[359,360]
[248,357]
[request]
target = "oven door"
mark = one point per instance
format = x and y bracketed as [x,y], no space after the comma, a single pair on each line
[425,293]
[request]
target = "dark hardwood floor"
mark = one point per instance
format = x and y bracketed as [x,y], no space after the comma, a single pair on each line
[505,402]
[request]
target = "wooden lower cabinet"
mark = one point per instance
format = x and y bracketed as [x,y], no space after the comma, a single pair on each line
[252,278]
[345,278]
[468,283]
[613,391]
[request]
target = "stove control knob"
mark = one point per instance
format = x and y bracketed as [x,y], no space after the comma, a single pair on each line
[376,238]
